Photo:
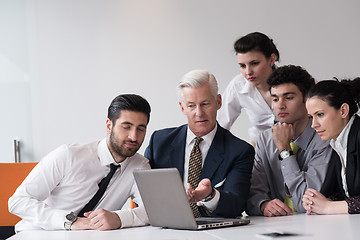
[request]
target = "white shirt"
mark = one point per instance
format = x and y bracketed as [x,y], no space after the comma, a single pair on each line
[67,178]
[204,148]
[241,95]
[340,147]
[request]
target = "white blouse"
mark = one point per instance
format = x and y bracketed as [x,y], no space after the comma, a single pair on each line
[241,95]
[340,147]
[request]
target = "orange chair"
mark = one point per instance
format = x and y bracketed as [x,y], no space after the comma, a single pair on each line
[11,176]
[132,204]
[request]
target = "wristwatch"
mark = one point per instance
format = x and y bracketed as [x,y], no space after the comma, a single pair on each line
[211,196]
[70,218]
[284,154]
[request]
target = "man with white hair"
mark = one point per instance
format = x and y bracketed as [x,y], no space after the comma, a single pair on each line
[215,165]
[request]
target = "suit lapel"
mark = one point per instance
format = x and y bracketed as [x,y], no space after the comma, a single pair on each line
[351,165]
[215,155]
[177,151]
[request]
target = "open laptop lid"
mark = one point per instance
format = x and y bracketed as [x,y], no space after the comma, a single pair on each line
[166,203]
[164,198]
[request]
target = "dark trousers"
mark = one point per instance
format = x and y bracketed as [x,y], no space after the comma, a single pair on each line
[6,232]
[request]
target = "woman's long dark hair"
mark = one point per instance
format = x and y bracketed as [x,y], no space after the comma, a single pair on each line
[336,92]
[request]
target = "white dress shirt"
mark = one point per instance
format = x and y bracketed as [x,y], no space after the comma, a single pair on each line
[241,95]
[340,147]
[204,148]
[67,178]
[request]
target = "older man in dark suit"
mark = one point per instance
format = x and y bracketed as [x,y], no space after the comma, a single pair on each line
[215,165]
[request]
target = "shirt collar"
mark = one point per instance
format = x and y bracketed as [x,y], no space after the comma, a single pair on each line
[104,154]
[247,88]
[207,139]
[343,136]
[305,137]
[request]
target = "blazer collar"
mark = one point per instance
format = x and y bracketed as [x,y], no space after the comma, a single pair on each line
[177,150]
[353,140]
[213,159]
[215,154]
[351,143]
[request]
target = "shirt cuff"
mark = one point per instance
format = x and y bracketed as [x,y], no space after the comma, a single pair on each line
[289,165]
[60,218]
[212,204]
[126,218]
[133,217]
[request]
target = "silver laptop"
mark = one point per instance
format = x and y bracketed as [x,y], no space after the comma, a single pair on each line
[166,203]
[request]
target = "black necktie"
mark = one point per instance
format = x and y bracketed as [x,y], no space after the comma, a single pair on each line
[102,187]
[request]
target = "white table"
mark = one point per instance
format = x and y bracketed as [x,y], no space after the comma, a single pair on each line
[341,227]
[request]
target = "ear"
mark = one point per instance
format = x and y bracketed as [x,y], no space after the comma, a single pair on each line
[182,107]
[218,101]
[108,125]
[344,110]
[273,59]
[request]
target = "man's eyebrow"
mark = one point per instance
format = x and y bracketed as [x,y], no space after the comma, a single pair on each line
[284,94]
[288,93]
[127,123]
[188,102]
[130,123]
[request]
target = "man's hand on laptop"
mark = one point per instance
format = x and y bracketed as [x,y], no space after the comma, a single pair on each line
[202,191]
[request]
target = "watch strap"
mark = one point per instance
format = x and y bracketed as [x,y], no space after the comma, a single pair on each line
[70,219]
[211,196]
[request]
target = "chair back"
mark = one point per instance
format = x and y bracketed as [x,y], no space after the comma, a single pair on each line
[132,204]
[11,176]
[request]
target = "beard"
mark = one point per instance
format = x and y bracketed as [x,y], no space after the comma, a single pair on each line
[120,149]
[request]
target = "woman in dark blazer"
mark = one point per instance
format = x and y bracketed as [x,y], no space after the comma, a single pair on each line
[333,106]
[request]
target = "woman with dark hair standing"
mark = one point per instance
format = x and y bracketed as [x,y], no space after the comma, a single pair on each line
[256,54]
[333,106]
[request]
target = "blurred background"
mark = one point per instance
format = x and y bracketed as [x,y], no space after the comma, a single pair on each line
[62,62]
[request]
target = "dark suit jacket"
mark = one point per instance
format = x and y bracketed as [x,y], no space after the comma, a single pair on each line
[335,189]
[228,158]
[352,161]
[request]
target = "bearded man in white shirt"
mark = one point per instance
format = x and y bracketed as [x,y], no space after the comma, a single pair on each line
[56,193]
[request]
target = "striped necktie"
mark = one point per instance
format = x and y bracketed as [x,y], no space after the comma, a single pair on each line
[195,165]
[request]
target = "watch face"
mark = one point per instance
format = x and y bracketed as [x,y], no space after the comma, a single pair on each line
[71,217]
[284,154]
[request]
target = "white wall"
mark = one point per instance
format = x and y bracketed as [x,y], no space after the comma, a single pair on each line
[15,93]
[80,54]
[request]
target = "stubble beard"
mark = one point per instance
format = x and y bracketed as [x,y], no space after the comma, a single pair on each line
[120,149]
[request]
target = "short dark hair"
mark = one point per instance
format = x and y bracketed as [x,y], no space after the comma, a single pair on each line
[130,102]
[256,41]
[292,74]
[336,92]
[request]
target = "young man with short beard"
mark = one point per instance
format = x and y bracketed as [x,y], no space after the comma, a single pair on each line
[67,189]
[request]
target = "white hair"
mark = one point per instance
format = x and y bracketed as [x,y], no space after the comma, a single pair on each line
[197,78]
